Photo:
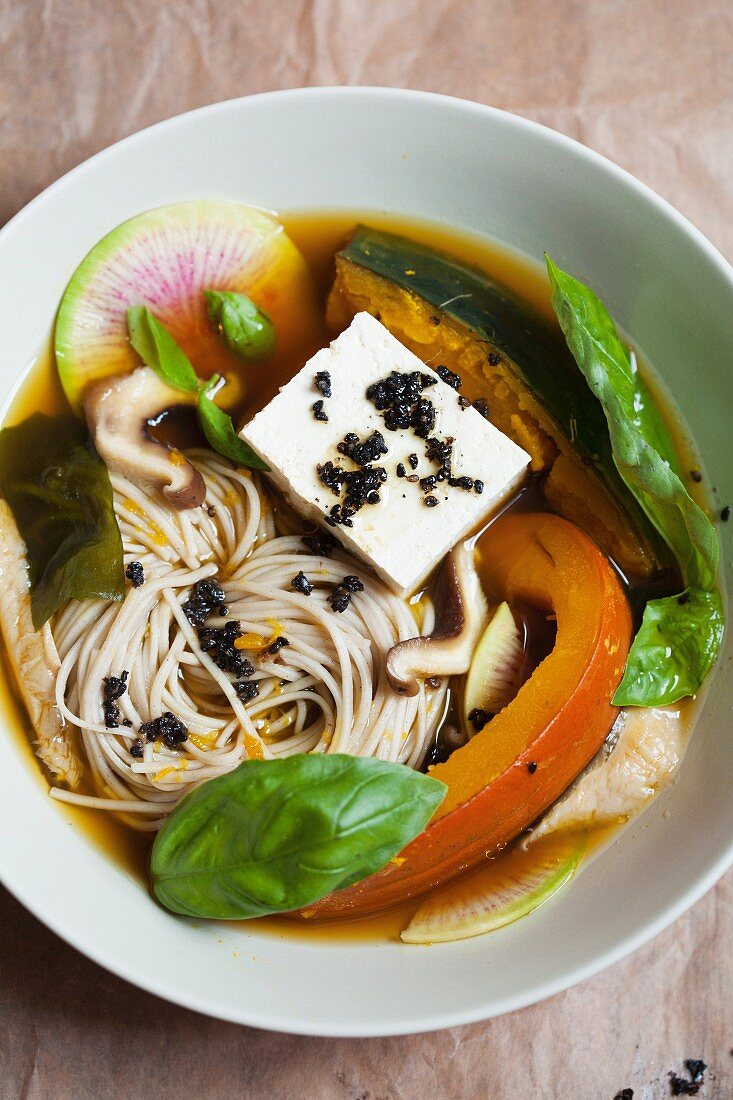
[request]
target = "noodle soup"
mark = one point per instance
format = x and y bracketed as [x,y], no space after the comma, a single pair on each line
[334,625]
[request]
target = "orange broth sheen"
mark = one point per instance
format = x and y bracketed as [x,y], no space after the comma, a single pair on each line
[319,235]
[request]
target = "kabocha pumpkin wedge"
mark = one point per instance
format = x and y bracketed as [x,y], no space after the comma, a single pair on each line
[532,750]
[450,313]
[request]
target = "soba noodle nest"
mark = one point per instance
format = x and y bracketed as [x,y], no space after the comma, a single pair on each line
[324,692]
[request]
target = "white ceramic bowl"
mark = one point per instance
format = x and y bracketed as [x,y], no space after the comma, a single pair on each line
[494,174]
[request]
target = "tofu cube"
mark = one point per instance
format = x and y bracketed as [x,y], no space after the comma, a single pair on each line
[411,528]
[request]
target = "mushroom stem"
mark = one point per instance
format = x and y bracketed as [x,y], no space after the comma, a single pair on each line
[117,411]
[462,613]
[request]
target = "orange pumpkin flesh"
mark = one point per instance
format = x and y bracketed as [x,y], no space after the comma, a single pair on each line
[558,720]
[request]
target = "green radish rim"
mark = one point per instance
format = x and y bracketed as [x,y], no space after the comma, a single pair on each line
[151,259]
[429,923]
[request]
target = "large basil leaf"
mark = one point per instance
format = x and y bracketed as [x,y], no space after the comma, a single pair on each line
[641,446]
[219,430]
[674,650]
[159,350]
[276,835]
[678,641]
[61,497]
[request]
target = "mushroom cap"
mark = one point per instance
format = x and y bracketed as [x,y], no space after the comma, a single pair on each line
[461,615]
[117,411]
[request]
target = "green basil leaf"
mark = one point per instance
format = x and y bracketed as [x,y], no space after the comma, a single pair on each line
[277,835]
[674,650]
[245,329]
[159,351]
[641,447]
[219,430]
[61,497]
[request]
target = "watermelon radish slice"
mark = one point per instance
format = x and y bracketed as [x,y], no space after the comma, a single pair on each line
[165,259]
[510,888]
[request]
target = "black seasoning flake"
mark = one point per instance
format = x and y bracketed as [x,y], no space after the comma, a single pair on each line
[322,382]
[247,690]
[696,476]
[696,1069]
[449,377]
[725,513]
[531,767]
[300,583]
[219,645]
[465,483]
[169,729]
[680,1086]
[363,453]
[481,405]
[207,597]
[494,359]
[478,718]
[427,484]
[624,1094]
[401,471]
[135,574]
[352,584]
[431,501]
[319,413]
[277,645]
[413,460]
[320,542]
[339,599]
[136,749]
[113,688]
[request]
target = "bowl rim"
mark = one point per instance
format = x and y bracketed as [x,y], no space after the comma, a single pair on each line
[696,887]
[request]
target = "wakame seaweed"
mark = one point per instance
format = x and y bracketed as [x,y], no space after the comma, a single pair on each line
[61,497]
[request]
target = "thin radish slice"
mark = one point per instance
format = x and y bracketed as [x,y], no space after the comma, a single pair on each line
[165,259]
[510,888]
[495,675]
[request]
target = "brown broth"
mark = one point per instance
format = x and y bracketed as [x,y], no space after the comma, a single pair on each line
[318,235]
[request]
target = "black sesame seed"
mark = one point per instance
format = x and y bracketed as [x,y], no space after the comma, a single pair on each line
[531,767]
[463,482]
[137,750]
[319,412]
[683,599]
[413,460]
[300,583]
[401,471]
[431,501]
[322,383]
[696,475]
[352,583]
[247,690]
[277,645]
[340,599]
[427,484]
[219,645]
[319,543]
[168,728]
[725,513]
[135,574]
[206,597]
[481,405]
[412,478]
[478,486]
[463,402]
[494,359]
[478,718]
[449,377]
[435,320]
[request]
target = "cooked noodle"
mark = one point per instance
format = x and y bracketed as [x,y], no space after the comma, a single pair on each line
[325,692]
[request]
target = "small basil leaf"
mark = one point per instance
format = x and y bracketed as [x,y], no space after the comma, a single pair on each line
[641,447]
[220,434]
[159,351]
[276,835]
[245,329]
[61,497]
[674,650]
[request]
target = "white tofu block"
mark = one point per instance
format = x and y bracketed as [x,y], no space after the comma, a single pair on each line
[401,538]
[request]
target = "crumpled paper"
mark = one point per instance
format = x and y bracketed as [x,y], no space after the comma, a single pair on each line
[650,84]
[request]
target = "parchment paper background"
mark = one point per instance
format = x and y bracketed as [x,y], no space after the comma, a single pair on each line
[648,83]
